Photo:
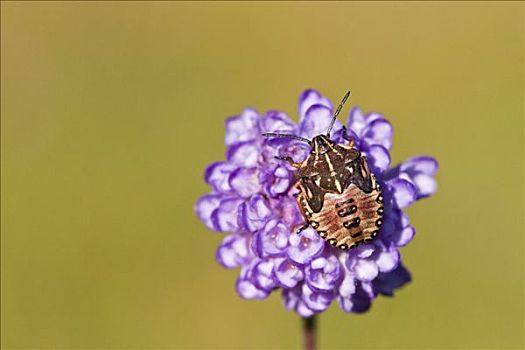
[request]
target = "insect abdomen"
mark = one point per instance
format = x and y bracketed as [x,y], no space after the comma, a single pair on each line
[350,218]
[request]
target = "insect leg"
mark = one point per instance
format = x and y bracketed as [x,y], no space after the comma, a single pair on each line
[304,226]
[347,138]
[289,160]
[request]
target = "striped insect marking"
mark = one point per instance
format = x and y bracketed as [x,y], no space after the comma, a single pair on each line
[338,195]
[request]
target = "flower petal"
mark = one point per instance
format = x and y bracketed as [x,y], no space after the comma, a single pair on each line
[365,270]
[217,175]
[244,154]
[288,274]
[378,132]
[245,181]
[305,246]
[404,192]
[204,208]
[255,213]
[234,251]
[242,128]
[276,121]
[421,164]
[387,283]
[309,98]
[247,290]
[316,121]
[379,158]
[387,260]
[226,217]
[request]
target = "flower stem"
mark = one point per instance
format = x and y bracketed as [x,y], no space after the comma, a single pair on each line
[309,333]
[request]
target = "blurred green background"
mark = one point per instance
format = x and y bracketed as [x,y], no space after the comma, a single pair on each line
[111,111]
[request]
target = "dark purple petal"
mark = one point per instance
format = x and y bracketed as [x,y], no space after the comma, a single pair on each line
[378,132]
[242,128]
[234,251]
[275,121]
[358,302]
[255,213]
[324,274]
[305,246]
[378,158]
[205,206]
[245,154]
[217,175]
[316,121]
[387,283]
[309,98]
[272,240]
[245,181]
[288,274]
[226,217]
[404,192]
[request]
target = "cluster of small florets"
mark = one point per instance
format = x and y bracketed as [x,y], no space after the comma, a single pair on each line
[253,202]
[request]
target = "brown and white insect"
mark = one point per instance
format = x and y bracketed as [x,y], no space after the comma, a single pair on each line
[338,195]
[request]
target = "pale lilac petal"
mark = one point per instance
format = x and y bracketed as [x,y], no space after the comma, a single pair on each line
[363,251]
[356,121]
[426,185]
[275,121]
[324,274]
[358,302]
[278,181]
[405,236]
[305,246]
[225,217]
[316,121]
[263,276]
[217,175]
[404,192]
[242,128]
[245,182]
[234,251]
[365,270]
[255,213]
[378,158]
[244,154]
[309,98]
[378,132]
[347,286]
[288,274]
[272,240]
[316,301]
[422,164]
[387,260]
[204,208]
[247,290]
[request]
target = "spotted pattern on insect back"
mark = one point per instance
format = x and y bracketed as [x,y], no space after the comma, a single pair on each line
[346,219]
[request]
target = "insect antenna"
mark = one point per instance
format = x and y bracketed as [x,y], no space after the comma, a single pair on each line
[298,138]
[337,113]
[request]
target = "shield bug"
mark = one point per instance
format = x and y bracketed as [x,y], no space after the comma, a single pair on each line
[338,195]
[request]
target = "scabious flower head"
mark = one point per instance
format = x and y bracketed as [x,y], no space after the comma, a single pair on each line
[252,202]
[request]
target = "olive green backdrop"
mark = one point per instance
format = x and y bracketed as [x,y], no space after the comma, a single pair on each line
[111,112]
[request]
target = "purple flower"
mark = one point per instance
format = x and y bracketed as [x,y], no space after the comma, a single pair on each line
[252,201]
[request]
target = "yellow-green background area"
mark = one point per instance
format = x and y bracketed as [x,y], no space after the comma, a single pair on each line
[111,112]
